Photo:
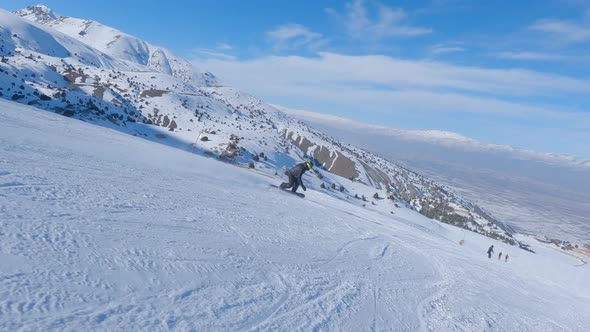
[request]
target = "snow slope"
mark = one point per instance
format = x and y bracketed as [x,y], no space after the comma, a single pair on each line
[97,234]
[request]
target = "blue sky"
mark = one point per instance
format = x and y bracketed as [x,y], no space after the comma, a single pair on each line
[503,72]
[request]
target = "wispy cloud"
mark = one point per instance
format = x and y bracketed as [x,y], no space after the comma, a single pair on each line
[533,56]
[567,31]
[218,52]
[380,23]
[224,47]
[424,86]
[293,35]
[439,49]
[212,54]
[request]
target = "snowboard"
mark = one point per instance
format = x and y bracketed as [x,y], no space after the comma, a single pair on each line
[288,191]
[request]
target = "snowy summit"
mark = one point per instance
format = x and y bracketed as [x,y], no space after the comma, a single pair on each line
[38,13]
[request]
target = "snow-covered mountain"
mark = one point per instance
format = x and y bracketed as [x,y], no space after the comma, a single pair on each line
[119,45]
[83,69]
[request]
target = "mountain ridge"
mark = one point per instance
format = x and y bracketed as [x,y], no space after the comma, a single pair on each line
[118,44]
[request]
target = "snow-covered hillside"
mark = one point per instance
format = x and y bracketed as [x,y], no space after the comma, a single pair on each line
[96,233]
[85,70]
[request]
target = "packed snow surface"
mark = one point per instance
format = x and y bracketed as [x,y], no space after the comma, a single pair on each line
[105,231]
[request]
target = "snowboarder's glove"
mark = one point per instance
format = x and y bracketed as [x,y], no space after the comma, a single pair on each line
[303,187]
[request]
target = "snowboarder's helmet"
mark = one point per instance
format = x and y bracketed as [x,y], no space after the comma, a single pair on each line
[308,164]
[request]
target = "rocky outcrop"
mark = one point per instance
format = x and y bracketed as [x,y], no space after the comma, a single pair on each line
[332,160]
[151,93]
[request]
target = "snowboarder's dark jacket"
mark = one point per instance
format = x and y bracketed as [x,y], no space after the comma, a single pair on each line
[298,171]
[295,175]
[491,250]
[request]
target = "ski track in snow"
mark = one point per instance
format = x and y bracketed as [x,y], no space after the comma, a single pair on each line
[102,231]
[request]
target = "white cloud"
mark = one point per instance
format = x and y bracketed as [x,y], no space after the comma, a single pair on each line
[293,36]
[445,49]
[386,86]
[218,52]
[381,86]
[209,54]
[328,119]
[534,56]
[566,30]
[387,22]
[224,47]
[332,70]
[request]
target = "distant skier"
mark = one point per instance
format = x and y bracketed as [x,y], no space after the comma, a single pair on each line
[490,251]
[295,175]
[500,256]
[506,258]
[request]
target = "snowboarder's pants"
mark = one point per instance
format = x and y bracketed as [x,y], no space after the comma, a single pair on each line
[293,183]
[489,255]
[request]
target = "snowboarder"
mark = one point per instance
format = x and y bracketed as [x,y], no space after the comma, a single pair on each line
[506,258]
[295,175]
[490,251]
[500,256]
